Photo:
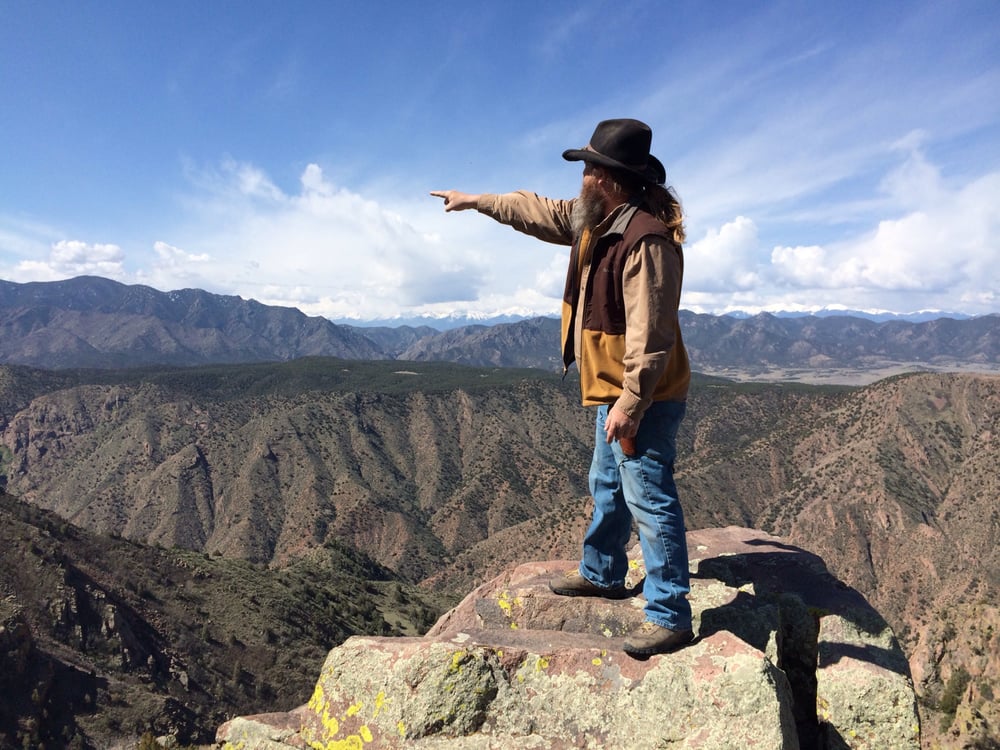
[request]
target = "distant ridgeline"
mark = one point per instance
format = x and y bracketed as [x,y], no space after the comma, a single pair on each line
[95,322]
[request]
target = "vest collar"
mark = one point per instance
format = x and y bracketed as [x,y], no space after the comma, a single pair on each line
[617,221]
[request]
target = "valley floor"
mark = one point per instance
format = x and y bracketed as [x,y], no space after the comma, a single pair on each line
[843,375]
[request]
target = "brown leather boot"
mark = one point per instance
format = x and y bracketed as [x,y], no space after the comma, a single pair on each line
[649,638]
[574,584]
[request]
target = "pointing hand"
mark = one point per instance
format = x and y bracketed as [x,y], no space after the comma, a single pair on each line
[456,201]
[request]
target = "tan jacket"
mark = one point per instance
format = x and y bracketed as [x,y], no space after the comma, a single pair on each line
[623,330]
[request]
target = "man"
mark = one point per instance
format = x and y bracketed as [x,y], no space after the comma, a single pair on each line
[619,324]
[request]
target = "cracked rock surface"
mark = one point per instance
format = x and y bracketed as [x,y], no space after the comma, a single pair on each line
[786,656]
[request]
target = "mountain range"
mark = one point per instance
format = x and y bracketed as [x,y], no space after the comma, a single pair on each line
[457,320]
[95,322]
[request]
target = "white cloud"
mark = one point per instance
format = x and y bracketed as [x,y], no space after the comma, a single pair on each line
[724,259]
[939,248]
[943,240]
[313,182]
[175,268]
[326,249]
[801,266]
[69,258]
[174,257]
[550,281]
[915,183]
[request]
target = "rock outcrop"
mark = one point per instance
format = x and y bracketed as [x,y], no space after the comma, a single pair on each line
[785,657]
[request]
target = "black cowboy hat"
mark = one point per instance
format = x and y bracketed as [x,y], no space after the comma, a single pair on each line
[622,144]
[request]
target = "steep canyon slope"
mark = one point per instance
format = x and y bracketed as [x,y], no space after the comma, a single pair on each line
[895,485]
[446,475]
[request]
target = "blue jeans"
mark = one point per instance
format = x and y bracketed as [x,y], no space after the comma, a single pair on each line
[641,486]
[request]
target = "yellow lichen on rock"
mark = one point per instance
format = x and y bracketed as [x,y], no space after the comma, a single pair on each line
[316,700]
[507,604]
[456,661]
[380,700]
[332,724]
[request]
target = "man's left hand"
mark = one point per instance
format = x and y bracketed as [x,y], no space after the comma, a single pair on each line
[619,425]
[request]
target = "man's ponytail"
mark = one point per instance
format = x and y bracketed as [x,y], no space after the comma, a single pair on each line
[664,204]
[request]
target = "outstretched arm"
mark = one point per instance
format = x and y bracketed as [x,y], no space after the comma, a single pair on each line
[456,201]
[544,218]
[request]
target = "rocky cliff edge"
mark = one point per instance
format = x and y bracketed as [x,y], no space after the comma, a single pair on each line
[786,656]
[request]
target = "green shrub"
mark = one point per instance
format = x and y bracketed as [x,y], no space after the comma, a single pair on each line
[952,696]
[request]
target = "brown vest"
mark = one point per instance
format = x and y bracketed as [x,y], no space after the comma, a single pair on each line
[603,312]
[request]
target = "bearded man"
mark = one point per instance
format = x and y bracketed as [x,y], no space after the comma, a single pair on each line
[620,325]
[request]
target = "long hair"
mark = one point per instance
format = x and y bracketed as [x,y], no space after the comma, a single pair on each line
[664,204]
[659,200]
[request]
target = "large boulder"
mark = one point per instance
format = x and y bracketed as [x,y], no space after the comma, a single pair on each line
[785,657]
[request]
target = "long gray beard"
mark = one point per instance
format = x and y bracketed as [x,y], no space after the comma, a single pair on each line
[588,212]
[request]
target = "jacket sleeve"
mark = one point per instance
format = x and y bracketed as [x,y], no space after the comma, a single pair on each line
[543,218]
[652,290]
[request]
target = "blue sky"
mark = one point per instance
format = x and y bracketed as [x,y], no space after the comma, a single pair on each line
[827,154]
